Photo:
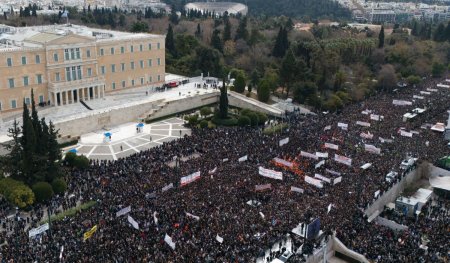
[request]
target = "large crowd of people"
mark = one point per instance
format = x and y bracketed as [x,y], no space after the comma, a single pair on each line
[216,205]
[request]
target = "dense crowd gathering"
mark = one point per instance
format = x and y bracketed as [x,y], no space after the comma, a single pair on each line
[195,215]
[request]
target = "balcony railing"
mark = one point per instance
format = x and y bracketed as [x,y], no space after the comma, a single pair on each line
[79,83]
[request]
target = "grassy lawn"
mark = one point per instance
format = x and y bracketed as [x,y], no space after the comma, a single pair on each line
[70,212]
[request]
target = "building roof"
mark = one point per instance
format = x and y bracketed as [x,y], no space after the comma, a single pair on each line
[19,38]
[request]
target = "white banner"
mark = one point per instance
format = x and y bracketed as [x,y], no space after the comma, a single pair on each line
[432,90]
[315,182]
[376,194]
[342,159]
[327,128]
[319,164]
[401,102]
[36,231]
[296,189]
[283,162]
[382,140]
[322,155]
[333,172]
[123,211]
[343,126]
[169,241]
[406,134]
[213,170]
[219,239]
[270,173]
[425,92]
[190,178]
[243,158]
[225,160]
[418,97]
[309,155]
[440,85]
[331,146]
[367,135]
[155,218]
[372,148]
[337,180]
[133,222]
[193,216]
[376,117]
[167,187]
[284,141]
[262,187]
[363,123]
[323,178]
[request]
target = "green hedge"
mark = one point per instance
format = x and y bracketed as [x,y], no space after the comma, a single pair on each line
[244,121]
[67,144]
[70,212]
[225,122]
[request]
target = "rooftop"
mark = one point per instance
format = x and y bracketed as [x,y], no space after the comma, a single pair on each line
[18,38]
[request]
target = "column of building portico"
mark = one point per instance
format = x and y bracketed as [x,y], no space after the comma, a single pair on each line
[81,95]
[67,97]
[103,91]
[72,93]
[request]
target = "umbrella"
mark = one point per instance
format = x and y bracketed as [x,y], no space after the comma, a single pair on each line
[140,125]
[73,150]
[107,134]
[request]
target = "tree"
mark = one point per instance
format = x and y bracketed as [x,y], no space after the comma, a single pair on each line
[244,121]
[254,77]
[28,143]
[305,92]
[170,42]
[22,196]
[198,32]
[288,71]
[227,30]
[14,157]
[216,42]
[281,43]
[438,69]
[289,24]
[239,83]
[54,152]
[242,32]
[139,26]
[173,16]
[205,111]
[439,34]
[223,103]
[447,32]
[264,91]
[204,124]
[381,38]
[387,80]
[43,191]
[122,20]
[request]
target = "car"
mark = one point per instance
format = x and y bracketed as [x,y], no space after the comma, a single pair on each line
[391,176]
[408,163]
[172,84]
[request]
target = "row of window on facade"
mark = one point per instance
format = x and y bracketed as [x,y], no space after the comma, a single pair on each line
[133,82]
[13,103]
[25,81]
[132,66]
[75,53]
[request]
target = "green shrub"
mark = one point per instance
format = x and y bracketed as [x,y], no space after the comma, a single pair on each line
[81,162]
[244,121]
[225,122]
[59,186]
[7,185]
[69,143]
[193,120]
[253,118]
[204,124]
[245,112]
[262,117]
[43,191]
[205,111]
[70,158]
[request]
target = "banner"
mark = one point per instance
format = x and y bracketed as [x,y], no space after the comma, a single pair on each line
[309,155]
[406,134]
[322,155]
[167,187]
[192,216]
[382,140]
[123,211]
[36,231]
[190,178]
[342,159]
[337,180]
[432,90]
[343,126]
[296,189]
[333,172]
[243,158]
[89,233]
[270,173]
[327,128]
[376,117]
[155,218]
[367,135]
[283,162]
[401,102]
[366,112]
[418,97]
[376,194]
[213,170]
[363,123]
[169,241]
[331,146]
[262,187]
[315,182]
[219,239]
[322,178]
[284,141]
[225,160]
[372,148]
[425,92]
[133,222]
[262,215]
[319,164]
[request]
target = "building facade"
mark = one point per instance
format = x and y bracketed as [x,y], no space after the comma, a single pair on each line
[65,64]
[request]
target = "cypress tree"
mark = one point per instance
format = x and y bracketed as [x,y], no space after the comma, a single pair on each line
[381,38]
[54,153]
[227,31]
[170,42]
[35,120]
[439,34]
[198,32]
[447,32]
[215,40]
[223,103]
[281,43]
[28,143]
[242,31]
[14,157]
